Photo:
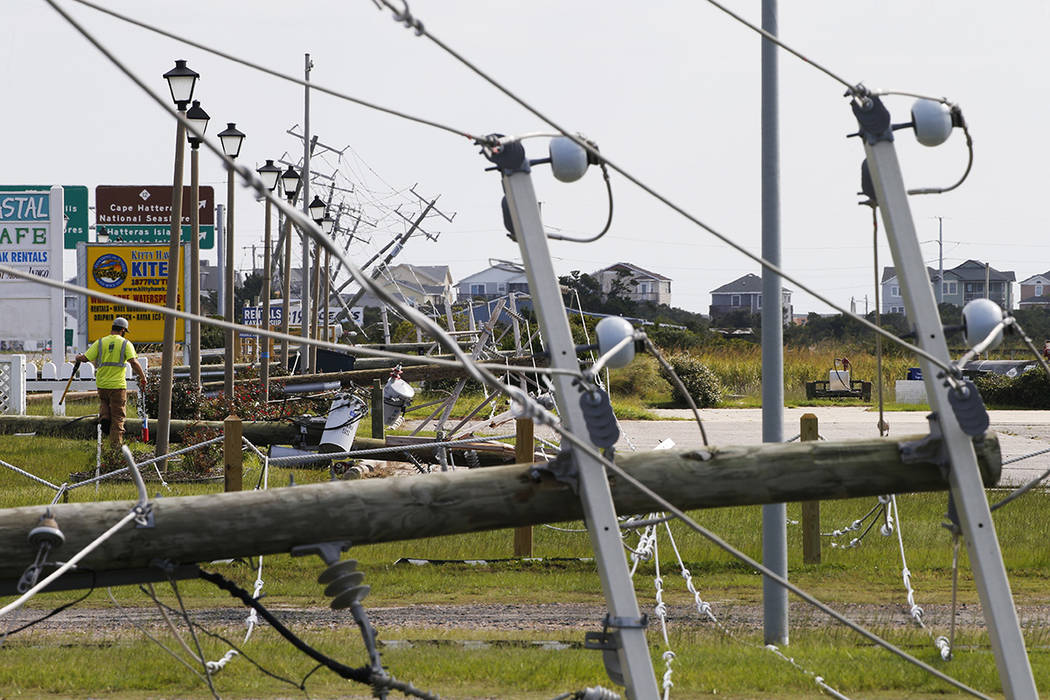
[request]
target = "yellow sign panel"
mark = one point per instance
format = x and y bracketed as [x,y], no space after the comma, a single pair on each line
[138,272]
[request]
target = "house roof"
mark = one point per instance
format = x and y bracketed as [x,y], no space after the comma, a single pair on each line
[433,273]
[505,274]
[635,269]
[974,270]
[889,273]
[1045,275]
[748,284]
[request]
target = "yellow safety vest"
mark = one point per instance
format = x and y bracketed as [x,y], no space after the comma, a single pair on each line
[110,354]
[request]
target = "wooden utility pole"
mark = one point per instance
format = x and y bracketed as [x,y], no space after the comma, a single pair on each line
[523,454]
[218,526]
[810,509]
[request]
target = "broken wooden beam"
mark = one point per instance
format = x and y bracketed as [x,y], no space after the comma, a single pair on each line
[202,528]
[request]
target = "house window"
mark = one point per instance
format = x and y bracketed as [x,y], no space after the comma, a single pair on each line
[734,300]
[1039,290]
[502,287]
[477,290]
[895,291]
[643,288]
[518,286]
[760,302]
[949,288]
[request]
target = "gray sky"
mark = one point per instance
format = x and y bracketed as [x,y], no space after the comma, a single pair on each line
[670,91]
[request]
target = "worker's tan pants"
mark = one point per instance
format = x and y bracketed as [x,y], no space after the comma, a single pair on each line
[111,407]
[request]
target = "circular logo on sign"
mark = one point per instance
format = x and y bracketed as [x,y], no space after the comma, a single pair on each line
[109,271]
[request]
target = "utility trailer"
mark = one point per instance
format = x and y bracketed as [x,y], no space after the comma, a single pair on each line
[839,384]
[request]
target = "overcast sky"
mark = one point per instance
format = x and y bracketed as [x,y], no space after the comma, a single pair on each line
[669,90]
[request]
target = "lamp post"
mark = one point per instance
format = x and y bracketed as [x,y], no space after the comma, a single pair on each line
[269,174]
[198,118]
[317,210]
[181,81]
[327,226]
[290,183]
[231,140]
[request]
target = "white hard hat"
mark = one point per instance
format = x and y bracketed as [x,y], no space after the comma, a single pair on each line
[120,322]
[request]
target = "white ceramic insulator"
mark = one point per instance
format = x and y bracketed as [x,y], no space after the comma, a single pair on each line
[980,317]
[610,331]
[932,122]
[568,159]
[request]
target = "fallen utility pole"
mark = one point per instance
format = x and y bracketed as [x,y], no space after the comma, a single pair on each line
[259,433]
[191,529]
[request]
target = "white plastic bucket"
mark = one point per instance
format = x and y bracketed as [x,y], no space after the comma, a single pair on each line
[341,426]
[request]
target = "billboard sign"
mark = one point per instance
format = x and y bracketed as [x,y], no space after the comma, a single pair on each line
[131,271]
[76,210]
[31,242]
[142,213]
[252,315]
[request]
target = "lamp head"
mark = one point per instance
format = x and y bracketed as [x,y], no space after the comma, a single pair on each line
[181,81]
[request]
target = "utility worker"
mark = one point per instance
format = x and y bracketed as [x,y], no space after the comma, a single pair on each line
[109,355]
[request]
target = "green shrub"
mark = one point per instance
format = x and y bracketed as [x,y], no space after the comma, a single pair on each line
[1029,390]
[639,379]
[701,383]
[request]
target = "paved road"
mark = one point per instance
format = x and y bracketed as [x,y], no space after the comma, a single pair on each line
[1020,432]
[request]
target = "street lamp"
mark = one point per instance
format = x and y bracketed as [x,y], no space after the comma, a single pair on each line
[101,235]
[269,174]
[198,119]
[317,209]
[290,184]
[231,139]
[181,81]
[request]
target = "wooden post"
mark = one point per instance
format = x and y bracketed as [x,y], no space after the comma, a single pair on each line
[810,509]
[523,454]
[232,455]
[378,428]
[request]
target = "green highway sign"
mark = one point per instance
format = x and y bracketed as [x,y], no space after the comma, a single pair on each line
[76,205]
[142,213]
[128,233]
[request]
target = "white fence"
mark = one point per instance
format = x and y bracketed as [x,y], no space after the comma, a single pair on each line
[18,378]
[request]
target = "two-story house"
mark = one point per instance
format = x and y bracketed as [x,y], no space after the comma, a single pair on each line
[634,283]
[745,294]
[960,284]
[496,280]
[1035,292]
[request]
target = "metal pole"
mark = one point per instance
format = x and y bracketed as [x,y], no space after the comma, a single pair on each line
[264,322]
[327,290]
[315,307]
[220,256]
[195,264]
[167,362]
[774,516]
[386,324]
[229,298]
[632,652]
[286,280]
[940,259]
[967,490]
[304,296]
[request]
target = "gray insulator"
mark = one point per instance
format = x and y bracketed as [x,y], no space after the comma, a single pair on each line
[344,583]
[336,570]
[597,693]
[348,598]
[472,459]
[969,409]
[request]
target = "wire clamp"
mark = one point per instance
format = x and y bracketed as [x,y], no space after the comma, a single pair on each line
[929,449]
[563,468]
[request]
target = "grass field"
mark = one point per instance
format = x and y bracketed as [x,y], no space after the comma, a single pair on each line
[507,661]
